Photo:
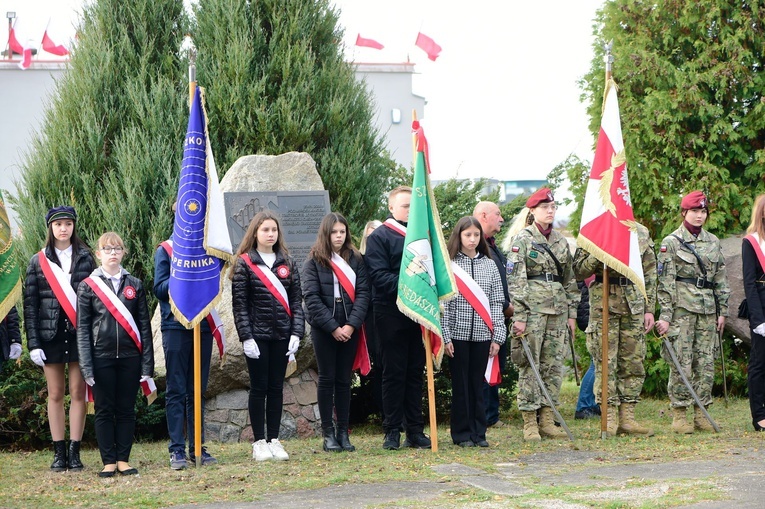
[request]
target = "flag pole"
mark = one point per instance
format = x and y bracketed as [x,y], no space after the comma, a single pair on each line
[609,59]
[197,329]
[428,350]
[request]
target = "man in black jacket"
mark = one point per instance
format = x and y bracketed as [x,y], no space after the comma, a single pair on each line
[401,346]
[490,217]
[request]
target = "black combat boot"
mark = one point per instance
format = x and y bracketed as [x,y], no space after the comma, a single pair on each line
[330,442]
[344,441]
[74,462]
[59,456]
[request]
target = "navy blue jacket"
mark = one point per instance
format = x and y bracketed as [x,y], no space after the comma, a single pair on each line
[162,292]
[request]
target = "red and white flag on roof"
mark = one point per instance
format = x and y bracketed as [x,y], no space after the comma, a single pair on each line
[608,230]
[428,45]
[20,42]
[368,43]
[55,40]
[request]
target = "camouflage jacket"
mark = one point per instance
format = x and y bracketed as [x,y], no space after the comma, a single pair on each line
[677,261]
[623,299]
[536,296]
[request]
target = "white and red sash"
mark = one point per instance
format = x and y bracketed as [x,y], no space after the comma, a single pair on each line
[395,226]
[478,300]
[213,319]
[347,279]
[120,313]
[755,242]
[270,281]
[62,287]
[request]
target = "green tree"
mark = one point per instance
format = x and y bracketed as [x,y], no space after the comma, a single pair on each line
[111,139]
[276,82]
[691,98]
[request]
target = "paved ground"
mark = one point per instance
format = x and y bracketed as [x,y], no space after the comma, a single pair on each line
[565,480]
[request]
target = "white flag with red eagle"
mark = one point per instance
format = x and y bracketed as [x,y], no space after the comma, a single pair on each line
[608,229]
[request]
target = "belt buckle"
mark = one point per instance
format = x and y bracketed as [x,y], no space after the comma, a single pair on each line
[701,282]
[623,281]
[550,278]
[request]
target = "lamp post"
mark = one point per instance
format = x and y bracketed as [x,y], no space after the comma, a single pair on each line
[10,15]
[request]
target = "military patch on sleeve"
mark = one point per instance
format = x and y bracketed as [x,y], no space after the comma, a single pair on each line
[533,254]
[663,248]
[516,249]
[510,268]
[660,268]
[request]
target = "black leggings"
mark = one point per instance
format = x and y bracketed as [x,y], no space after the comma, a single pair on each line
[114,395]
[335,360]
[756,378]
[266,387]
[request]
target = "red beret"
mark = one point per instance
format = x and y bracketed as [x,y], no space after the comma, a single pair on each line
[544,195]
[694,200]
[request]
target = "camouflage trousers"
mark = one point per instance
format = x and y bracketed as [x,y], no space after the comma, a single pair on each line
[626,353]
[546,335]
[693,338]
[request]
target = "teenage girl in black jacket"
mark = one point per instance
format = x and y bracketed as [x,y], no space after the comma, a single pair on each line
[265,282]
[336,322]
[51,335]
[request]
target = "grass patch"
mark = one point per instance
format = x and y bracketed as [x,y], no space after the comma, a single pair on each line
[26,481]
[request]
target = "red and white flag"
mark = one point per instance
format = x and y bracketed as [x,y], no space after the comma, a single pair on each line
[368,43]
[19,43]
[428,45]
[608,230]
[55,41]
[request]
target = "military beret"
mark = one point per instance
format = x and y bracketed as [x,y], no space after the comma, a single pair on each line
[694,200]
[62,212]
[544,195]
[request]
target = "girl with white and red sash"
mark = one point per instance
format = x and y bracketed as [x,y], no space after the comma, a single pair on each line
[473,329]
[116,352]
[753,264]
[268,314]
[337,296]
[50,304]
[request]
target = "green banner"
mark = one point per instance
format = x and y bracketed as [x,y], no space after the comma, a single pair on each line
[10,274]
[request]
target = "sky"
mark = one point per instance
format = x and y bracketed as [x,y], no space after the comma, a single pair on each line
[502,98]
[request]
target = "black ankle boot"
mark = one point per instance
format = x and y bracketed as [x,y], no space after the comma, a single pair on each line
[74,456]
[343,440]
[59,456]
[330,442]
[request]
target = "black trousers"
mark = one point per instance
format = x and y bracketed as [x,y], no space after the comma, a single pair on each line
[403,357]
[114,395]
[756,378]
[468,416]
[267,388]
[335,361]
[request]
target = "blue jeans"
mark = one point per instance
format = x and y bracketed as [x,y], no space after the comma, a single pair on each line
[586,394]
[178,345]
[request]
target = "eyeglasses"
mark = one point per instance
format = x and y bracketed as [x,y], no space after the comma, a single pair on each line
[112,249]
[548,206]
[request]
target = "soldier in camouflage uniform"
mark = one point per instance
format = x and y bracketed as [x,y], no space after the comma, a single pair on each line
[630,318]
[545,297]
[693,298]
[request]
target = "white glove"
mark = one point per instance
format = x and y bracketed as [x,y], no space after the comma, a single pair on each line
[144,378]
[90,381]
[251,349]
[38,356]
[760,329]
[293,346]
[15,351]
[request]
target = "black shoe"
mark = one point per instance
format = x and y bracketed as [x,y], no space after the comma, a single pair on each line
[344,440]
[107,473]
[128,471]
[466,443]
[757,427]
[392,440]
[482,443]
[330,442]
[59,456]
[587,413]
[417,441]
[73,462]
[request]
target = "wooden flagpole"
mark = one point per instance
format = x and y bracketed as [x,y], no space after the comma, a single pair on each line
[426,341]
[605,315]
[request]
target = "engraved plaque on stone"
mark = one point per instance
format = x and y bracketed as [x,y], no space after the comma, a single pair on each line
[300,214]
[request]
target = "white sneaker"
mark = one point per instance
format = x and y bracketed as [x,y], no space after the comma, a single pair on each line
[277,450]
[261,451]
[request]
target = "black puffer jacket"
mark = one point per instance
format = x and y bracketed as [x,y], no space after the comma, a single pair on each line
[98,333]
[319,294]
[9,333]
[41,308]
[257,314]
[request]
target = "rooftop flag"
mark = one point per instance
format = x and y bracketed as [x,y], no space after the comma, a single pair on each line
[368,43]
[428,45]
[201,245]
[53,40]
